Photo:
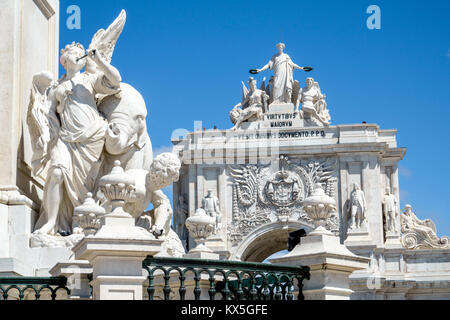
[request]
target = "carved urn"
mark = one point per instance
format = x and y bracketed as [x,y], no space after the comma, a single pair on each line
[88,215]
[200,226]
[118,187]
[319,206]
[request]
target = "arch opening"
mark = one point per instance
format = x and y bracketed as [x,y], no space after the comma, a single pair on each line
[266,241]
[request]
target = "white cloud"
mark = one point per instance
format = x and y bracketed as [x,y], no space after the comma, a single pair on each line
[404,171]
[161,149]
[404,195]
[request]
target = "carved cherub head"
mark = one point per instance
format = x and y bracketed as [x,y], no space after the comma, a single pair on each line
[309,82]
[70,55]
[164,170]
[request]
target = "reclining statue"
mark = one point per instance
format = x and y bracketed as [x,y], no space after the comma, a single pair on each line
[253,106]
[419,233]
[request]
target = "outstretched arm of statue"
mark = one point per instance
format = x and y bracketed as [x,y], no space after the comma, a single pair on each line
[296,66]
[267,66]
[111,73]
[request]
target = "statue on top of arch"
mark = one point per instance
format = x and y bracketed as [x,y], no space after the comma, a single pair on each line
[282,89]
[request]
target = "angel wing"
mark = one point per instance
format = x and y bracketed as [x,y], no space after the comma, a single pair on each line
[316,85]
[245,91]
[263,84]
[42,124]
[104,41]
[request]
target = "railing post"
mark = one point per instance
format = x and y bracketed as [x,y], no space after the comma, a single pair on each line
[116,253]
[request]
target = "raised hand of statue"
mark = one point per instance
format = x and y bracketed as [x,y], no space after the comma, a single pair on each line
[94,55]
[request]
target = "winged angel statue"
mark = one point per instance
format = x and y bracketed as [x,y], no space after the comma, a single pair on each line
[67,130]
[254,104]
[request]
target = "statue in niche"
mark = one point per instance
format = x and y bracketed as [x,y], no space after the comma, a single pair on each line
[181,214]
[253,105]
[314,106]
[67,130]
[419,233]
[283,84]
[357,208]
[210,204]
[390,210]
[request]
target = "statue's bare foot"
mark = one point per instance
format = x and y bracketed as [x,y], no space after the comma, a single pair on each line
[46,229]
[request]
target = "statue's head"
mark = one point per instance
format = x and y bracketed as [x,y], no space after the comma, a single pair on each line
[355,187]
[388,190]
[281,46]
[309,82]
[408,208]
[164,171]
[252,83]
[69,56]
[210,192]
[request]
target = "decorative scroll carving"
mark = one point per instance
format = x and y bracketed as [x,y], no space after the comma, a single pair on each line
[420,234]
[261,196]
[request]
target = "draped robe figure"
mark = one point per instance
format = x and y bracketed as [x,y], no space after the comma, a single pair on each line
[80,143]
[283,79]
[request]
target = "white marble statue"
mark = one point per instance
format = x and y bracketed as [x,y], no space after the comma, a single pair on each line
[254,104]
[313,102]
[283,81]
[357,208]
[127,139]
[67,131]
[390,210]
[164,170]
[420,233]
[210,204]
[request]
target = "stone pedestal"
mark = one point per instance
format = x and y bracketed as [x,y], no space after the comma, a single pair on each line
[393,241]
[202,255]
[360,242]
[77,274]
[331,264]
[116,253]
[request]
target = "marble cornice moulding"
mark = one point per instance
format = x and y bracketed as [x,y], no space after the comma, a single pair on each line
[12,196]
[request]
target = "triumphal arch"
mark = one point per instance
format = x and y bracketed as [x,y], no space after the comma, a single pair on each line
[81,191]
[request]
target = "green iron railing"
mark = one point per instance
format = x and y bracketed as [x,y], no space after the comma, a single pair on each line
[230,279]
[17,288]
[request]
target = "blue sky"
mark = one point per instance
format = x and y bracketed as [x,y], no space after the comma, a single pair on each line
[188,58]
